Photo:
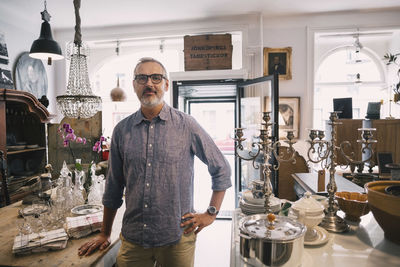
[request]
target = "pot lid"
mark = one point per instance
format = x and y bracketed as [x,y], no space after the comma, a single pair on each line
[271,227]
[308,204]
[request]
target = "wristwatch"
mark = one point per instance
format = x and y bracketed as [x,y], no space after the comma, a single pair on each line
[212,210]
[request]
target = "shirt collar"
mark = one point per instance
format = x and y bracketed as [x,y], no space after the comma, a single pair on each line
[163,115]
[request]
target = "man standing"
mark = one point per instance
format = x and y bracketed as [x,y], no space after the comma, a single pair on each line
[151,157]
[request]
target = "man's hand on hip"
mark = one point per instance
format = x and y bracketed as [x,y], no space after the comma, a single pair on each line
[196,221]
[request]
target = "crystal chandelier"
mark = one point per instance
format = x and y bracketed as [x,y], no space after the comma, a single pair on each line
[79,101]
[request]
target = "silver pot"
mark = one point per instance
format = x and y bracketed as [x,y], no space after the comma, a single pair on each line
[269,240]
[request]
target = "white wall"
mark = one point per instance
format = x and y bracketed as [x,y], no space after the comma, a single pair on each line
[258,32]
[298,32]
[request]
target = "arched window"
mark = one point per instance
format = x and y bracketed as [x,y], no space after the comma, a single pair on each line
[347,72]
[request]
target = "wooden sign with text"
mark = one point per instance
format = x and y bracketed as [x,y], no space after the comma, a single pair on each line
[208,52]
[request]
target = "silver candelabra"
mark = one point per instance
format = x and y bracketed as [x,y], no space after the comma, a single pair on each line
[265,147]
[326,154]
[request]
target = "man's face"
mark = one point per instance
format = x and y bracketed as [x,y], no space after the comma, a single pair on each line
[150,94]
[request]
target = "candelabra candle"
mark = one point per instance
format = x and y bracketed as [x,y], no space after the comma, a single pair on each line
[266,148]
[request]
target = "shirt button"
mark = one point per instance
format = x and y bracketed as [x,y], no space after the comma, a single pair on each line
[149,164]
[151,127]
[145,225]
[147,184]
[150,145]
[145,205]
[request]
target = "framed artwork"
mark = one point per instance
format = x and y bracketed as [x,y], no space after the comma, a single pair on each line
[289,115]
[30,75]
[6,80]
[278,60]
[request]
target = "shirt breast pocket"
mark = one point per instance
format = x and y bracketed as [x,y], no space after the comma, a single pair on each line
[172,151]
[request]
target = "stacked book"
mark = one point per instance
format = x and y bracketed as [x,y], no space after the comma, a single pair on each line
[81,226]
[38,242]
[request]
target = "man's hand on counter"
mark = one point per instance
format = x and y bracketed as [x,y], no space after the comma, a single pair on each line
[101,242]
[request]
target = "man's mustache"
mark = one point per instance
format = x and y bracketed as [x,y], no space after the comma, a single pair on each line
[149,90]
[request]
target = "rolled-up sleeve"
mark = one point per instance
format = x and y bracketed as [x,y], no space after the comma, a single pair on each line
[115,184]
[207,151]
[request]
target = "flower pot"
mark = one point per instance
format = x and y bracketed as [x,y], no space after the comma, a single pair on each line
[104,154]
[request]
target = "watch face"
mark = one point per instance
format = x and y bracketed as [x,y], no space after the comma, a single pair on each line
[212,210]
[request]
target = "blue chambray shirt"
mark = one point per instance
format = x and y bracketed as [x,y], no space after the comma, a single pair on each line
[153,161]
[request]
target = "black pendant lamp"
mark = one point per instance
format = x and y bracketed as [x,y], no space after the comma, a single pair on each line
[45,47]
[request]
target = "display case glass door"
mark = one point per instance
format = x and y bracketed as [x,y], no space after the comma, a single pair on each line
[242,101]
[254,97]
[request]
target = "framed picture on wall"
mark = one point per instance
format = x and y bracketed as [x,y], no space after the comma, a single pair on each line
[30,75]
[278,60]
[6,80]
[289,115]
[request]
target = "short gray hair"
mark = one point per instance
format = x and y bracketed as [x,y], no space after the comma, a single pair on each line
[150,59]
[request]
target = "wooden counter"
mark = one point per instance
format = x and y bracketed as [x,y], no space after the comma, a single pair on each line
[65,257]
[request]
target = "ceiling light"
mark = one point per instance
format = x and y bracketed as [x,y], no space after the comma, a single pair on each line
[117,94]
[357,44]
[45,47]
[79,101]
[162,46]
[358,79]
[354,55]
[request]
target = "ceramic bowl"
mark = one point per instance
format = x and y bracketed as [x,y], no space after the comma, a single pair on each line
[353,204]
[310,212]
[393,190]
[385,208]
[309,220]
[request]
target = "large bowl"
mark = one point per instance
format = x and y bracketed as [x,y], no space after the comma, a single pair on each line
[353,204]
[385,208]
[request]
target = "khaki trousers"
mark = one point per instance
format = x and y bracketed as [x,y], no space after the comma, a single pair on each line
[178,255]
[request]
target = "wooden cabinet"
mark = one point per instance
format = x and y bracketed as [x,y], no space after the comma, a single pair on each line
[347,130]
[23,143]
[388,136]
[387,133]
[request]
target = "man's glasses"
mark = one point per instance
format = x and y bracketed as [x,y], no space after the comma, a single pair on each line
[155,78]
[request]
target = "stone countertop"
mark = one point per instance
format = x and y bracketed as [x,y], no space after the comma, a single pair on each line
[363,245]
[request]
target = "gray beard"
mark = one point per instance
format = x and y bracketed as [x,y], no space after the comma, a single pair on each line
[151,101]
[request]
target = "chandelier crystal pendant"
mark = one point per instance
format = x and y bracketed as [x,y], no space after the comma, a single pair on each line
[79,101]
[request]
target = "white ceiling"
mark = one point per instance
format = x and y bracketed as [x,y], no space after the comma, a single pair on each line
[124,12]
